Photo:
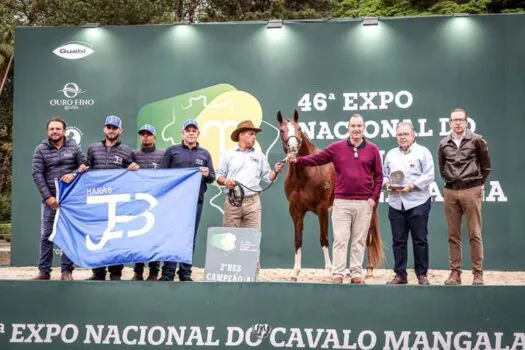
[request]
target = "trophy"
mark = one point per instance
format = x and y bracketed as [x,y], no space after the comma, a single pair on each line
[396,178]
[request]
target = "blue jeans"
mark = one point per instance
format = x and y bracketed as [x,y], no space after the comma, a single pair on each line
[169,267]
[46,246]
[414,220]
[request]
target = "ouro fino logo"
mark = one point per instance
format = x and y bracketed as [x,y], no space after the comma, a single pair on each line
[74,50]
[72,92]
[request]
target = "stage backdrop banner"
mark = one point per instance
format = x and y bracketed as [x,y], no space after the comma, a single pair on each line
[94,315]
[109,217]
[416,69]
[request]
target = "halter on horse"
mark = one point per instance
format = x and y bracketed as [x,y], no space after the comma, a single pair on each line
[312,189]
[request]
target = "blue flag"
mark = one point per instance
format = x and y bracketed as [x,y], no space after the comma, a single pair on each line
[110,217]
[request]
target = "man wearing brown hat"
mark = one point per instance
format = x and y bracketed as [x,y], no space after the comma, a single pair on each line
[247,166]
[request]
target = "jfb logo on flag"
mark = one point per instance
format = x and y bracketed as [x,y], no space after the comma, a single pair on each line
[130,218]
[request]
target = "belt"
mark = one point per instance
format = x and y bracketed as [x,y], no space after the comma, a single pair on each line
[460,185]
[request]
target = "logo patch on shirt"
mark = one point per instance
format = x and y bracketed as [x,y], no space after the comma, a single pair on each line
[118,160]
[254,159]
[199,162]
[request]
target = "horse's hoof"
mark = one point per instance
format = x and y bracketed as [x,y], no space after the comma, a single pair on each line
[293,279]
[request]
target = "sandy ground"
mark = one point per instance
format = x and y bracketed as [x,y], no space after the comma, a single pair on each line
[283,275]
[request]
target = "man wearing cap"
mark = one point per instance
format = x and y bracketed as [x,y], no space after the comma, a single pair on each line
[110,153]
[188,154]
[246,165]
[147,157]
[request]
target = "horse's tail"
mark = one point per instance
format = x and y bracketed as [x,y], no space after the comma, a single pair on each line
[374,243]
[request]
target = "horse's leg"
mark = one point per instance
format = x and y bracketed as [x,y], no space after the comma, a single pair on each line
[297,217]
[369,267]
[323,223]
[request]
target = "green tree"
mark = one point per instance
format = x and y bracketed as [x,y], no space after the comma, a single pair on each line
[231,10]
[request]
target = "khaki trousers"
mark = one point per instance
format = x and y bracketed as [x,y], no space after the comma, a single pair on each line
[350,220]
[247,215]
[458,203]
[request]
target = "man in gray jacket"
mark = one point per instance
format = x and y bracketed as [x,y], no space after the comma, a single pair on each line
[147,157]
[55,158]
[110,153]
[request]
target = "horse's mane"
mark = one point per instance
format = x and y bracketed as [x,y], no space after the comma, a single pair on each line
[307,141]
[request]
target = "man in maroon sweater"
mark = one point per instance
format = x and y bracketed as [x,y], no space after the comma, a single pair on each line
[358,185]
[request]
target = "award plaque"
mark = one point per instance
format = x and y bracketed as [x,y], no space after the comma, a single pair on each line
[396,178]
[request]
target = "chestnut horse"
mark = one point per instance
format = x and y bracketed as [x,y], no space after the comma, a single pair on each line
[312,189]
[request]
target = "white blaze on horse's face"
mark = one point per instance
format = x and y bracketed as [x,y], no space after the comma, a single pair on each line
[293,142]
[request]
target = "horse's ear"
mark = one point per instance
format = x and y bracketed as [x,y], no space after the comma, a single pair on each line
[295,116]
[279,117]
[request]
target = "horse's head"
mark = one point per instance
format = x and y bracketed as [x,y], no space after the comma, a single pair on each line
[291,135]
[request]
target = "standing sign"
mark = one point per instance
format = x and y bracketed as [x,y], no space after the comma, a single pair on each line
[232,254]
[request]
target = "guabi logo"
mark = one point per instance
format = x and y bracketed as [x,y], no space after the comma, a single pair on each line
[74,50]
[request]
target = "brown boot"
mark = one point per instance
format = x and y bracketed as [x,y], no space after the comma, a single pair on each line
[337,279]
[357,280]
[42,276]
[114,277]
[398,280]
[137,277]
[152,277]
[478,278]
[423,280]
[67,276]
[454,279]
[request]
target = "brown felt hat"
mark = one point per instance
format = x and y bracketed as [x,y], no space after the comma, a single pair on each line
[243,126]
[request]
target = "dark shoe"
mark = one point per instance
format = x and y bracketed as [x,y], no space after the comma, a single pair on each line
[137,277]
[423,280]
[337,280]
[478,279]
[454,279]
[186,279]
[357,280]
[165,279]
[67,276]
[42,276]
[96,278]
[114,277]
[398,280]
[152,277]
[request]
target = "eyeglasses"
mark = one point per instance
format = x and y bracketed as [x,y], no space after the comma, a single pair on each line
[356,154]
[458,120]
[403,134]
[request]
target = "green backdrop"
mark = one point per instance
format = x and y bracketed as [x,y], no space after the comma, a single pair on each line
[417,69]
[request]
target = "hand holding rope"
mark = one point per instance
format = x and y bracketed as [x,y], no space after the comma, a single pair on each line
[236,194]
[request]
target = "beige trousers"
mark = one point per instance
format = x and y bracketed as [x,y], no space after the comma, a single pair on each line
[247,215]
[350,220]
